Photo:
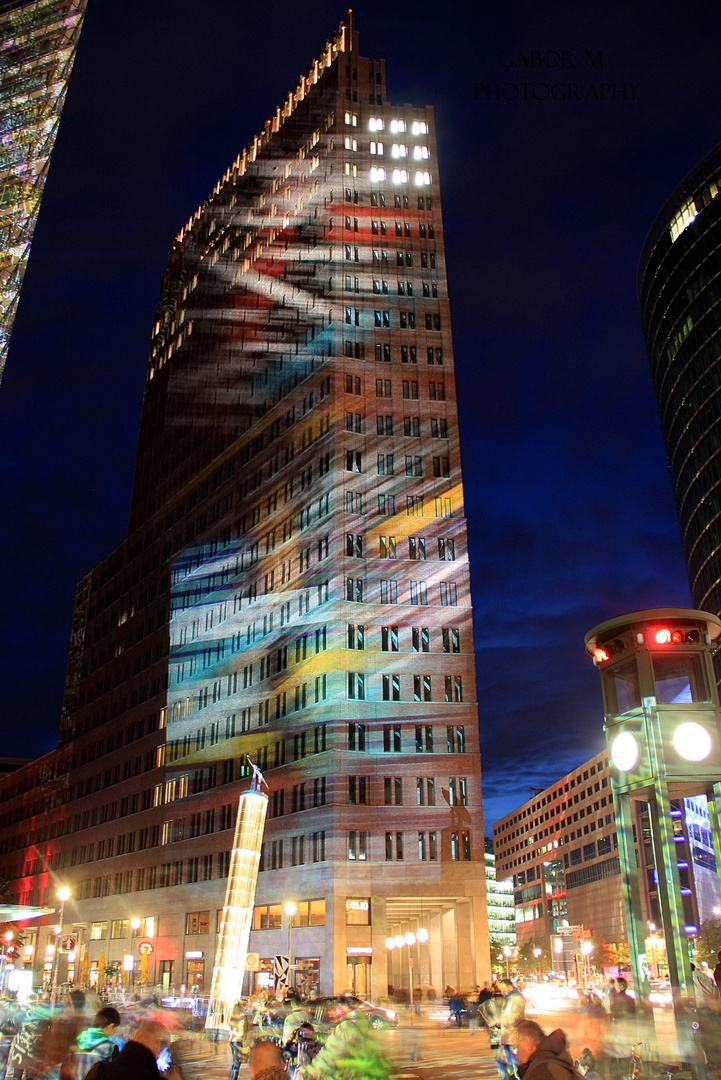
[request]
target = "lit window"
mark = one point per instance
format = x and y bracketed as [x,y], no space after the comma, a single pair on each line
[398,125]
[376,148]
[400,176]
[682,219]
[376,123]
[419,127]
[420,152]
[347,118]
[422,178]
[376,175]
[399,150]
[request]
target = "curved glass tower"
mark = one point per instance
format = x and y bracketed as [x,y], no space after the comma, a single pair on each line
[679,288]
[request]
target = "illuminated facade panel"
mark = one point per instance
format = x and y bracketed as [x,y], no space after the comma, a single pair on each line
[37,42]
[295,583]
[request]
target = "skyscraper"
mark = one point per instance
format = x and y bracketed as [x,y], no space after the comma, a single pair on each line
[294,585]
[678,287]
[38,40]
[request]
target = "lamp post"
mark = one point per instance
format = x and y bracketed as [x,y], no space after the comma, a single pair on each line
[508,953]
[538,953]
[586,949]
[410,940]
[63,894]
[135,926]
[290,910]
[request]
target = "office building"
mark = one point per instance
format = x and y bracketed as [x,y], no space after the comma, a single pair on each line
[38,40]
[294,586]
[501,904]
[679,286]
[560,850]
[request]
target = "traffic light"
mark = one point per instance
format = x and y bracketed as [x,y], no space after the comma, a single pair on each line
[667,635]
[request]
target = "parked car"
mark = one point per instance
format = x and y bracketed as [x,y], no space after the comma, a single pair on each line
[327,1012]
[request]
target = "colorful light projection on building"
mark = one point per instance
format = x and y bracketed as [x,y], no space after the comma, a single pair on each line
[38,42]
[237,916]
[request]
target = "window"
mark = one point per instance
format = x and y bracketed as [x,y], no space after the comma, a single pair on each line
[422,688]
[408,322]
[358,790]
[353,461]
[318,846]
[267,917]
[389,592]
[424,739]
[461,845]
[457,794]
[387,547]
[391,688]
[386,464]
[389,638]
[425,791]
[387,505]
[414,505]
[446,549]
[439,428]
[451,639]
[433,322]
[383,388]
[358,845]
[384,425]
[354,545]
[454,688]
[418,592]
[427,846]
[354,590]
[437,391]
[410,389]
[309,913]
[356,737]
[394,846]
[98,931]
[120,928]
[409,354]
[383,352]
[444,508]
[391,739]
[382,318]
[353,422]
[441,466]
[356,685]
[421,638]
[352,384]
[356,636]
[412,426]
[197,922]
[414,465]
[449,596]
[358,912]
[456,738]
[416,547]
[393,791]
[354,502]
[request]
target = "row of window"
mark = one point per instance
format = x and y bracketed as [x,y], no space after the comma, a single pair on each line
[387,505]
[409,389]
[380,285]
[411,425]
[356,592]
[426,738]
[359,791]
[359,687]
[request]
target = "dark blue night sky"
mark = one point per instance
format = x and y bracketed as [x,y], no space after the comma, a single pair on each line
[546,206]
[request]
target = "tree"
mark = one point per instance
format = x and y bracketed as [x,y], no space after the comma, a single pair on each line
[613,953]
[708,941]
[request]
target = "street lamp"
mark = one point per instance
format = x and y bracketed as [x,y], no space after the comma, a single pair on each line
[508,953]
[538,953]
[135,926]
[290,910]
[63,894]
[421,935]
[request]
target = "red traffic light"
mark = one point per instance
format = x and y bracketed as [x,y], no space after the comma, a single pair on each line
[601,655]
[663,635]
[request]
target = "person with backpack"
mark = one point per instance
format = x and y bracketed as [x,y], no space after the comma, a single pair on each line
[93,1044]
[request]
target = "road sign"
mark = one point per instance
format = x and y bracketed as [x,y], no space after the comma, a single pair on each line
[252,961]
